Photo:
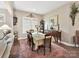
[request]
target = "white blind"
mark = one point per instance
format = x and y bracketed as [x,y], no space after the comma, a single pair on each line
[29,23]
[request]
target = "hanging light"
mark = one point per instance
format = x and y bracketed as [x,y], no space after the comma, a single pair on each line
[31,15]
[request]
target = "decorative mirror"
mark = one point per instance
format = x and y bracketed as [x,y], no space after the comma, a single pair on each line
[55,22]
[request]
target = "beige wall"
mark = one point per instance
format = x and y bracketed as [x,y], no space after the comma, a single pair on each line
[65,22]
[8,14]
[9,8]
[20,14]
[3,12]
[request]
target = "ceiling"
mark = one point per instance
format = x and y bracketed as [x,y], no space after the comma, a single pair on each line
[2,5]
[39,7]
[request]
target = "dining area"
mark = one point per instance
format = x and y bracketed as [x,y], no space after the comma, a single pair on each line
[38,40]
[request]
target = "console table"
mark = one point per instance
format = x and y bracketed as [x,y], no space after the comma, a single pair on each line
[55,34]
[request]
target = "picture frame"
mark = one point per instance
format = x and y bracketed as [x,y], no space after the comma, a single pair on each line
[14,21]
[52,21]
[55,20]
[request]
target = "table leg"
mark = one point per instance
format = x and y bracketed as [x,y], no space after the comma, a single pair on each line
[44,46]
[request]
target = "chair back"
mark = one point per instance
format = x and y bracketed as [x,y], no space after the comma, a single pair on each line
[49,34]
[48,37]
[30,38]
[77,36]
[47,40]
[77,33]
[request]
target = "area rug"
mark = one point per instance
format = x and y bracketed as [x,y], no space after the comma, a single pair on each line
[24,51]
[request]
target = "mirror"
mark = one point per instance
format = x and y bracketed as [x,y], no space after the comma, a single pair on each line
[52,23]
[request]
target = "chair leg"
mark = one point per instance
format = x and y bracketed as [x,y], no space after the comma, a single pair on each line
[32,46]
[55,39]
[60,39]
[44,47]
[37,50]
[75,44]
[50,45]
[44,50]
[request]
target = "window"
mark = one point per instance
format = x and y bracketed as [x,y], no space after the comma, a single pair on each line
[2,18]
[29,23]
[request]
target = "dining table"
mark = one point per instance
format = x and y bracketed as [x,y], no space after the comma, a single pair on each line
[38,39]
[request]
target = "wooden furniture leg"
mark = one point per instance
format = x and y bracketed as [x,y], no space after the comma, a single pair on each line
[50,45]
[32,47]
[44,46]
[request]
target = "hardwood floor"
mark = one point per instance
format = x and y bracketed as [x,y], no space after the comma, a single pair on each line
[21,49]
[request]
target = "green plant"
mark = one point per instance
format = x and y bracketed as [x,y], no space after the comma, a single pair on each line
[74,11]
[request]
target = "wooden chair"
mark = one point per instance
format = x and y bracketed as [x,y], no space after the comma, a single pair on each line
[48,38]
[47,43]
[30,40]
[76,38]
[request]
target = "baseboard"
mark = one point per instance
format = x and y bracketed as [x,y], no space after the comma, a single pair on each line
[68,44]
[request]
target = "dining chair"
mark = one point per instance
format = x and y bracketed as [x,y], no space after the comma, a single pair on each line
[76,38]
[48,38]
[47,42]
[30,40]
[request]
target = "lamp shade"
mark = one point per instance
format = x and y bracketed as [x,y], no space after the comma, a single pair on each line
[5,27]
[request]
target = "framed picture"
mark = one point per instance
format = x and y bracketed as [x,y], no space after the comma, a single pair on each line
[14,20]
[55,20]
[52,21]
[2,18]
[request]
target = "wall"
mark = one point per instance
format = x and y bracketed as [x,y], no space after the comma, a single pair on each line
[20,14]
[3,12]
[65,22]
[8,14]
[9,8]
